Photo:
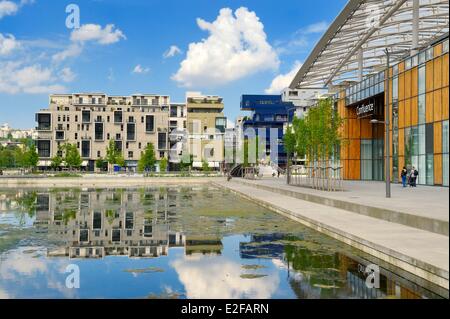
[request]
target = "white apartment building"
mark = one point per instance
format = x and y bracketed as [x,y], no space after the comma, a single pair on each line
[92,120]
[302,99]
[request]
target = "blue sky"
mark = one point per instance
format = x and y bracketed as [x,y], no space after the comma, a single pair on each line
[254,47]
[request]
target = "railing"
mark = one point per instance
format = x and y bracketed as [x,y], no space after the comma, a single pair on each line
[251,173]
[326,178]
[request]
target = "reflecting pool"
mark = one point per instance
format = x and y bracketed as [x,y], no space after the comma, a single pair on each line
[176,242]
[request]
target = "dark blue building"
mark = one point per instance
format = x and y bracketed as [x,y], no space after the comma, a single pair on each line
[269,113]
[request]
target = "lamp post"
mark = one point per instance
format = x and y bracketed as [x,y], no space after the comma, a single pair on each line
[386,123]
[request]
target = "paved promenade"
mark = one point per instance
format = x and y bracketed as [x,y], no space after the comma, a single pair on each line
[423,207]
[423,253]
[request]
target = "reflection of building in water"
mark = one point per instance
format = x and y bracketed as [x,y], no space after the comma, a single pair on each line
[205,245]
[95,224]
[318,272]
[262,246]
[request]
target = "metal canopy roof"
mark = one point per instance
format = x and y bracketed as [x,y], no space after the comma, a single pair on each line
[362,32]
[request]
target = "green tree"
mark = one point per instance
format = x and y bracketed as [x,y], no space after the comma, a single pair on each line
[163,163]
[148,158]
[30,157]
[205,166]
[56,162]
[101,163]
[186,162]
[72,157]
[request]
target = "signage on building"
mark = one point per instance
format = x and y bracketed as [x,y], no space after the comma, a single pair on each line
[365,110]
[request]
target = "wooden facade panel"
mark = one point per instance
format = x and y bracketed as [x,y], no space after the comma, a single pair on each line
[401,114]
[429,113]
[344,149]
[438,169]
[437,105]
[445,70]
[407,84]
[401,142]
[354,169]
[354,128]
[437,76]
[437,137]
[429,76]
[414,111]
[407,112]
[414,81]
[444,101]
[355,149]
[401,163]
[366,129]
[437,50]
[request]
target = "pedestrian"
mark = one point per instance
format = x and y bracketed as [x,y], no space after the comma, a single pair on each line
[416,174]
[404,173]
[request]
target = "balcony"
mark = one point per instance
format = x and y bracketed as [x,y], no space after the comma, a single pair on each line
[43,127]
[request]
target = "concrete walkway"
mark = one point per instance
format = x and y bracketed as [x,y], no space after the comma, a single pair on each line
[424,207]
[419,252]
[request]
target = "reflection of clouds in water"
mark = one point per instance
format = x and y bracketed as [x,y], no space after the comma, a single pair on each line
[218,278]
[280,264]
[25,269]
[4,294]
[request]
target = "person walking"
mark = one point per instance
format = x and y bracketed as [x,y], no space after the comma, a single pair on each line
[404,173]
[416,174]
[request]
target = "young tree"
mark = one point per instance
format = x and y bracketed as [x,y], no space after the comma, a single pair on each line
[30,157]
[163,163]
[101,164]
[148,159]
[56,162]
[112,153]
[72,157]
[205,166]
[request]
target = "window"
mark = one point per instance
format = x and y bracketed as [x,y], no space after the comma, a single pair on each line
[99,154]
[85,148]
[59,135]
[76,136]
[149,123]
[118,117]
[86,116]
[98,131]
[130,154]
[445,46]
[162,141]
[395,89]
[422,83]
[43,148]
[131,131]
[44,121]
[445,157]
[429,53]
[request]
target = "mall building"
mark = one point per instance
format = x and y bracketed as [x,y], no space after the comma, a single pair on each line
[410,39]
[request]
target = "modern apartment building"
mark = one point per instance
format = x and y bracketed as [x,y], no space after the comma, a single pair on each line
[92,120]
[303,99]
[177,132]
[268,121]
[206,124]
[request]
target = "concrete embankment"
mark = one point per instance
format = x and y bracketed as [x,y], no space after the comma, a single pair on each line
[102,181]
[422,253]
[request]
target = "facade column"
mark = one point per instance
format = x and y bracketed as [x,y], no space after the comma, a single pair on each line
[360,64]
[415,27]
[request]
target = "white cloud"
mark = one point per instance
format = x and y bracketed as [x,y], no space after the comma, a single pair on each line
[235,48]
[67,75]
[318,27]
[8,8]
[172,51]
[88,32]
[140,70]
[8,43]
[72,51]
[206,278]
[95,32]
[33,79]
[282,81]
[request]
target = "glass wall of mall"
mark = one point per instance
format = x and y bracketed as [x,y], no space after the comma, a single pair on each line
[419,132]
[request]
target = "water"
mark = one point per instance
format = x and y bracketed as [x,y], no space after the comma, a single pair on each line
[175,242]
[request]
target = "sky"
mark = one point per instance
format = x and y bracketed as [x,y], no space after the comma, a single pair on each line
[225,48]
